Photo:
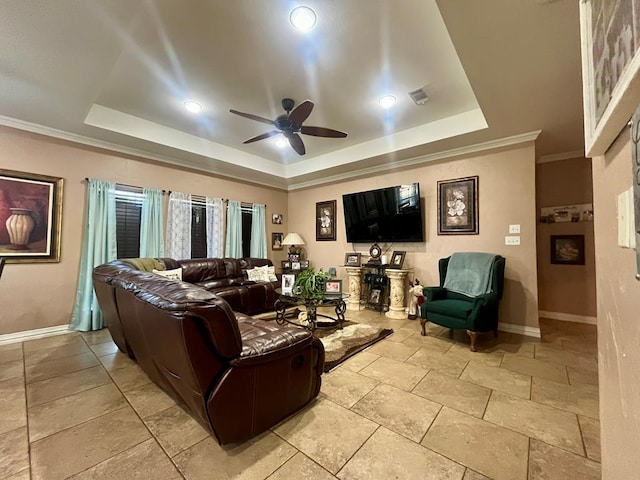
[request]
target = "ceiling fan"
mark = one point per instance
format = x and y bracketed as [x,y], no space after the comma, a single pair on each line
[290,125]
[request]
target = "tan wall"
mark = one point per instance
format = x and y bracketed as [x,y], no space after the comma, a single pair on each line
[565,288]
[618,320]
[42,295]
[506,196]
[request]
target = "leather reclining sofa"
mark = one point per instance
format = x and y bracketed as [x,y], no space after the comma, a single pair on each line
[237,375]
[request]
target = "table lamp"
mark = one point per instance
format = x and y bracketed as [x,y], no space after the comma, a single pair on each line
[293,239]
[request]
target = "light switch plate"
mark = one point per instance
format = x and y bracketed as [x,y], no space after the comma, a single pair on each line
[514,228]
[512,240]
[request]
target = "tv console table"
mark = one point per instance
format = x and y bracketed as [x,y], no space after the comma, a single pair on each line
[397,279]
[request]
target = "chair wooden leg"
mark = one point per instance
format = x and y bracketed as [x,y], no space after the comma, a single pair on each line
[472,336]
[451,333]
[423,324]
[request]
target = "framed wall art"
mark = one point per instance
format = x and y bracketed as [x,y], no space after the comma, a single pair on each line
[277,218]
[458,206]
[276,241]
[326,220]
[610,37]
[567,249]
[30,217]
[635,165]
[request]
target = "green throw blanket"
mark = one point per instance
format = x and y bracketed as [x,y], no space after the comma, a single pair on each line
[470,273]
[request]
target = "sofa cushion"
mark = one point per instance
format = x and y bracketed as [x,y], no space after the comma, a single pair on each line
[454,308]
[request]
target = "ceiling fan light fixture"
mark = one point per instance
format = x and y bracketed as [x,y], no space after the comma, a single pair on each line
[281,143]
[303,18]
[193,107]
[387,101]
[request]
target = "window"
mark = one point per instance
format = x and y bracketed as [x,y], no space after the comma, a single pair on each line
[128,213]
[246,231]
[198,230]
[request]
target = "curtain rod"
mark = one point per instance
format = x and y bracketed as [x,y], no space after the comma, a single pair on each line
[243,204]
[86,179]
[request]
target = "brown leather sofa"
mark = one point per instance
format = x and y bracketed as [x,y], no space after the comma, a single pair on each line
[237,375]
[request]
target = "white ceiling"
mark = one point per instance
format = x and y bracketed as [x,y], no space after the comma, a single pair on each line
[116,73]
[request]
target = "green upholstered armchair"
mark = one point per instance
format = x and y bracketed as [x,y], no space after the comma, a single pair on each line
[455,310]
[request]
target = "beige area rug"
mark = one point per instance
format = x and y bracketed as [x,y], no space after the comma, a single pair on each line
[339,345]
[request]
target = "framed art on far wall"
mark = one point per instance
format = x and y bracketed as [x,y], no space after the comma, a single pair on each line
[458,206]
[276,241]
[326,220]
[30,217]
[567,249]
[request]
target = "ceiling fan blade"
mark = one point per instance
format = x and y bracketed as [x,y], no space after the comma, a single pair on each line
[300,113]
[262,136]
[322,132]
[296,143]
[253,117]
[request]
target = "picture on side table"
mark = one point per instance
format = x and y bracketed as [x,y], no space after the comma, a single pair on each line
[374,296]
[287,283]
[333,286]
[567,249]
[458,206]
[30,217]
[397,259]
[352,259]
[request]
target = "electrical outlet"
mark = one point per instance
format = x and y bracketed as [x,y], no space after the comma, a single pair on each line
[514,228]
[512,240]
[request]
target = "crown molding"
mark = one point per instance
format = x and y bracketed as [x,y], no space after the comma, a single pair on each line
[556,157]
[114,147]
[455,152]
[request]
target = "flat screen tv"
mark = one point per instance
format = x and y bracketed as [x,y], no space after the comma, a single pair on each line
[390,214]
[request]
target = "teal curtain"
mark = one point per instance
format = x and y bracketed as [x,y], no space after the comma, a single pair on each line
[234,230]
[98,247]
[258,232]
[151,223]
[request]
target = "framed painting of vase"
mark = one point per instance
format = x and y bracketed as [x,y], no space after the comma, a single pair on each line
[30,217]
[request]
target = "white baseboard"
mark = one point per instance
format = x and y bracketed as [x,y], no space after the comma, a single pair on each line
[568,317]
[519,329]
[33,334]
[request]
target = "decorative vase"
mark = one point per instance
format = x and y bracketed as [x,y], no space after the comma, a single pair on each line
[19,225]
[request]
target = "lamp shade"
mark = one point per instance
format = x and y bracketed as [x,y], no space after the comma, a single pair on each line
[293,239]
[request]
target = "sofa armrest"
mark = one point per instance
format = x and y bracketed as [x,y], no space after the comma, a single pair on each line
[434,293]
[264,342]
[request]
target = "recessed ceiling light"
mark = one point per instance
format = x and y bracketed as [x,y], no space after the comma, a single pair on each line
[193,107]
[303,18]
[387,101]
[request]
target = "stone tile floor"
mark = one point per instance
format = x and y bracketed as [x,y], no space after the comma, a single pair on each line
[408,407]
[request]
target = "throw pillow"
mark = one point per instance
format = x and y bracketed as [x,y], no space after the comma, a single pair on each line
[175,274]
[254,274]
[271,273]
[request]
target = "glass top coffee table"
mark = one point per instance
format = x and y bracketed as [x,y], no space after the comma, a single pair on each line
[314,319]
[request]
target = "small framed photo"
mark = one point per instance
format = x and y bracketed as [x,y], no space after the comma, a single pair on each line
[294,257]
[352,259]
[333,287]
[458,206]
[326,220]
[304,264]
[295,265]
[276,241]
[287,283]
[567,249]
[277,218]
[397,259]
[286,265]
[374,296]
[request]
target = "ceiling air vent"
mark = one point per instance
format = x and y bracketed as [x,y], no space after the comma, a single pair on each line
[419,96]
